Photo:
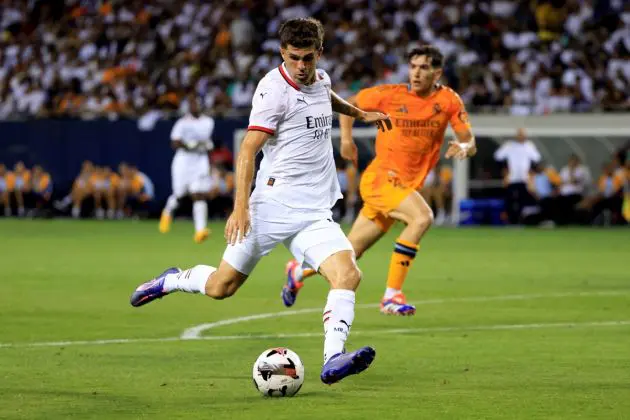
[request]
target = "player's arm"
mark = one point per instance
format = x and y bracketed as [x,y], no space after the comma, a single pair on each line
[348,112]
[343,107]
[238,224]
[349,149]
[465,145]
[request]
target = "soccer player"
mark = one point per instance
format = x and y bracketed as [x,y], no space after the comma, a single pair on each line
[296,187]
[191,137]
[421,111]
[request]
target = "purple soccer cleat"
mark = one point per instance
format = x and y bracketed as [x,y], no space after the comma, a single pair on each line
[345,364]
[153,289]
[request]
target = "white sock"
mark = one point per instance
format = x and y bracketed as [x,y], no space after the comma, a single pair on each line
[110,213]
[298,271]
[390,293]
[76,212]
[171,205]
[200,214]
[192,280]
[100,214]
[338,318]
[21,211]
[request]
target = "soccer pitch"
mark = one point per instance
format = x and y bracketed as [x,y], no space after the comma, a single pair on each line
[511,323]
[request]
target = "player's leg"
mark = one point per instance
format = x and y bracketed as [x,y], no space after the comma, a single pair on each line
[363,234]
[200,217]
[417,215]
[216,283]
[200,190]
[323,246]
[238,262]
[179,187]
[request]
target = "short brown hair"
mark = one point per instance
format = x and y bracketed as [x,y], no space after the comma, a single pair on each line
[302,33]
[436,57]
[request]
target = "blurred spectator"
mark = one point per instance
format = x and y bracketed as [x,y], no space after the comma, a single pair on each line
[575,181]
[114,58]
[42,187]
[518,155]
[543,186]
[438,192]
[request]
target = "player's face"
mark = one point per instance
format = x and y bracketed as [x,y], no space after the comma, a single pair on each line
[301,63]
[422,76]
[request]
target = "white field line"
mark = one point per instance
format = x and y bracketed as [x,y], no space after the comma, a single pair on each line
[499,327]
[194,333]
[197,331]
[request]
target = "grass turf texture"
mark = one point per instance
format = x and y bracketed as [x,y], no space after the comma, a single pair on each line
[65,280]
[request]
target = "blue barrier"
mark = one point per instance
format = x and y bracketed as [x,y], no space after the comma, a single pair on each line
[481,212]
[60,146]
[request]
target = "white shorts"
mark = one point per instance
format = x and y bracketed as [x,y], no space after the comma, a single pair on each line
[190,179]
[311,237]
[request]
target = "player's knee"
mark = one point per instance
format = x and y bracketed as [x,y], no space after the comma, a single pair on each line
[348,278]
[221,289]
[423,220]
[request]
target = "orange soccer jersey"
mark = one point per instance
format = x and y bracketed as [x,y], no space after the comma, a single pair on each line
[412,147]
[406,154]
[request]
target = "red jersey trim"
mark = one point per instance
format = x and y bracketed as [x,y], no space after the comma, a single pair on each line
[288,79]
[263,129]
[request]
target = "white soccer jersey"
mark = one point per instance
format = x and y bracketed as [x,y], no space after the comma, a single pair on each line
[190,169]
[191,131]
[298,167]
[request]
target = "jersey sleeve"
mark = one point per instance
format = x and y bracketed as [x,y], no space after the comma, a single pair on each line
[268,108]
[458,116]
[372,99]
[176,131]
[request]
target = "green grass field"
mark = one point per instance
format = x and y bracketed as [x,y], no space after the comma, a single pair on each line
[527,324]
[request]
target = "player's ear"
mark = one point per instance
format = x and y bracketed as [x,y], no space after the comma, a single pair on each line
[320,52]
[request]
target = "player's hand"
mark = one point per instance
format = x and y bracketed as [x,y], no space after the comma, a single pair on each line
[238,225]
[381,120]
[350,152]
[459,152]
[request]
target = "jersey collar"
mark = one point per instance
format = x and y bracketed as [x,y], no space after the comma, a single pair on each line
[287,78]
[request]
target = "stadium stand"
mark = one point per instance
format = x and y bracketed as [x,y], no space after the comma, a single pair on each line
[111,58]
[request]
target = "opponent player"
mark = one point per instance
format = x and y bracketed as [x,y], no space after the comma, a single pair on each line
[295,104]
[191,137]
[389,186]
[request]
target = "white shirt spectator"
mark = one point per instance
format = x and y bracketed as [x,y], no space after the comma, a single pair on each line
[574,181]
[519,157]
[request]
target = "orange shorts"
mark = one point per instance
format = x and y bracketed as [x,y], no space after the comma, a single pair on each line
[381,194]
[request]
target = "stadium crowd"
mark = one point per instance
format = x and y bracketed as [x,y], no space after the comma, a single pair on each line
[131,58]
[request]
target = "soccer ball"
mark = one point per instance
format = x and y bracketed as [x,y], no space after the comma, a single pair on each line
[278,372]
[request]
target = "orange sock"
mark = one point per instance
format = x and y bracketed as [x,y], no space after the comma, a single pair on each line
[402,257]
[308,272]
